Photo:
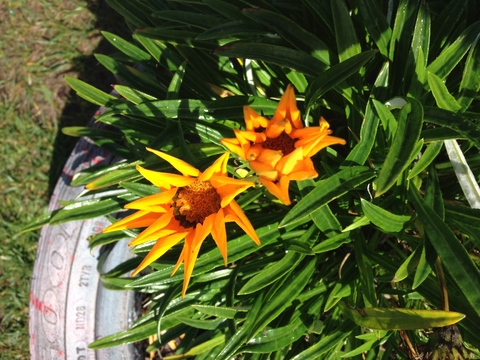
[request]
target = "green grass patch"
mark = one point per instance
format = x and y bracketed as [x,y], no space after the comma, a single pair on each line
[42,41]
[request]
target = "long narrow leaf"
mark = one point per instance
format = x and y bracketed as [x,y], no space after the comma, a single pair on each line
[327,190]
[453,255]
[401,151]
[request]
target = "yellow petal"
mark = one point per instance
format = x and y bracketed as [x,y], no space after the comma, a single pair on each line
[288,162]
[165,180]
[192,248]
[185,168]
[252,119]
[235,213]
[219,234]
[156,235]
[228,188]
[303,175]
[150,233]
[245,137]
[160,248]
[308,132]
[265,170]
[188,239]
[219,167]
[269,156]
[136,220]
[279,189]
[315,146]
[158,199]
[287,109]
[324,125]
[254,152]
[276,128]
[233,145]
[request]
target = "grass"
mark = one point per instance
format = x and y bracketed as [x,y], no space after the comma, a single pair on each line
[42,41]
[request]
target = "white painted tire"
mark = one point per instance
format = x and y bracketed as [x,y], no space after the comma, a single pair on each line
[69,307]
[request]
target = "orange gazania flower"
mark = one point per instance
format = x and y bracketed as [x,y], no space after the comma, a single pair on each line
[279,149]
[191,206]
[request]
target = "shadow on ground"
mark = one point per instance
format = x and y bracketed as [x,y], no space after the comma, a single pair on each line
[77,111]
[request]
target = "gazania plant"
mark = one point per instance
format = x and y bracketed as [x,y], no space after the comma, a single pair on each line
[310,166]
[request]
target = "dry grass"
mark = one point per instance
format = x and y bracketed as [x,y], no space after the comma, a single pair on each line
[41,42]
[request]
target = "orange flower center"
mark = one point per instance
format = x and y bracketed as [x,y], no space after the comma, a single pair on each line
[283,142]
[193,203]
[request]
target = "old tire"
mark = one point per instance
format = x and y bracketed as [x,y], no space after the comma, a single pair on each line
[69,307]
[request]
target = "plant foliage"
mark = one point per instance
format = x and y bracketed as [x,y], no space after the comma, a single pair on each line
[385,239]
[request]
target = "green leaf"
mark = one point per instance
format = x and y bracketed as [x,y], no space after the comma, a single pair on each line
[433,193]
[451,56]
[326,191]
[271,274]
[402,31]
[409,265]
[368,131]
[125,337]
[332,243]
[453,255]
[325,220]
[358,222]
[141,332]
[139,189]
[440,92]
[202,348]
[448,20]
[384,219]
[92,133]
[365,269]
[201,324]
[455,121]
[91,93]
[369,345]
[404,143]
[463,215]
[234,29]
[193,109]
[132,51]
[376,24]
[132,76]
[421,36]
[400,319]
[134,11]
[431,152]
[183,38]
[219,311]
[241,336]
[275,339]
[327,342]
[346,37]
[335,75]
[37,223]
[133,95]
[291,32]
[470,84]
[275,54]
[107,238]
[195,19]
[279,299]
[87,209]
[424,268]
[419,78]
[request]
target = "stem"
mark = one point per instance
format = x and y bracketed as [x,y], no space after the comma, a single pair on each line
[442,283]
